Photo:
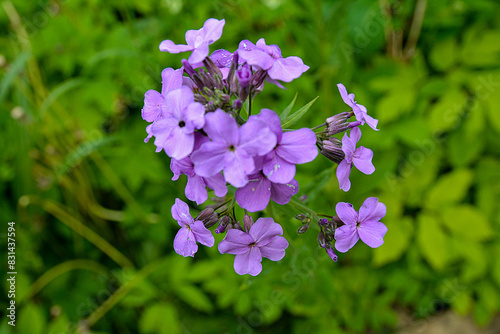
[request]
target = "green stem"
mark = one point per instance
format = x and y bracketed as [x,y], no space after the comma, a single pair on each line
[119,294]
[304,208]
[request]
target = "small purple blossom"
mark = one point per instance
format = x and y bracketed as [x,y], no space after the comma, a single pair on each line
[191,231]
[359,110]
[197,41]
[293,147]
[361,157]
[263,240]
[232,148]
[269,58]
[175,131]
[365,225]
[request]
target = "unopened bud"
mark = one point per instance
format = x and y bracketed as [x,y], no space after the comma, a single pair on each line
[224,222]
[188,68]
[303,229]
[323,222]
[205,213]
[321,239]
[244,75]
[247,222]
[237,104]
[300,216]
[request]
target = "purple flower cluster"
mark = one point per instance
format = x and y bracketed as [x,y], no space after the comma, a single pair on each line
[198,121]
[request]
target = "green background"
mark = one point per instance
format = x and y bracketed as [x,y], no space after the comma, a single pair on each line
[91,200]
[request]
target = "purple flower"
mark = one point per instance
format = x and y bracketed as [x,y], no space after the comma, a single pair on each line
[196,185]
[191,231]
[293,147]
[361,157]
[365,225]
[268,57]
[175,131]
[255,195]
[232,148]
[263,240]
[154,102]
[358,109]
[197,41]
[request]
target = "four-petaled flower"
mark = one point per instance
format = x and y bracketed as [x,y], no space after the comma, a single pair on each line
[361,157]
[191,231]
[263,240]
[365,225]
[358,109]
[197,41]
[232,148]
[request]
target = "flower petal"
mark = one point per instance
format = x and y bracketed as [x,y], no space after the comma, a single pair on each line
[217,183]
[255,195]
[372,122]
[376,210]
[179,145]
[256,138]
[210,158]
[282,193]
[195,189]
[257,57]
[287,69]
[185,242]
[277,169]
[154,103]
[199,54]
[202,234]
[221,127]
[272,120]
[237,166]
[343,172]
[362,159]
[264,229]
[171,79]
[346,213]
[348,147]
[355,135]
[274,250]
[372,233]
[212,29]
[180,212]
[248,263]
[346,237]
[171,47]
[235,242]
[298,146]
[344,95]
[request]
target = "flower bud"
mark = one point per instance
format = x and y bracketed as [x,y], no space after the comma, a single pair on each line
[323,222]
[237,104]
[224,222]
[188,68]
[244,75]
[303,229]
[300,216]
[247,222]
[321,239]
[332,149]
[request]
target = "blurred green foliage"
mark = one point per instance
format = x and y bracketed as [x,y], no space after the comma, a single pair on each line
[92,201]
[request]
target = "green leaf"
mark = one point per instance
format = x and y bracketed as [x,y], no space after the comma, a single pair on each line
[287,110]
[397,103]
[58,91]
[450,189]
[462,303]
[194,297]
[444,54]
[432,241]
[396,240]
[446,113]
[31,320]
[14,69]
[467,221]
[487,303]
[160,318]
[296,116]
